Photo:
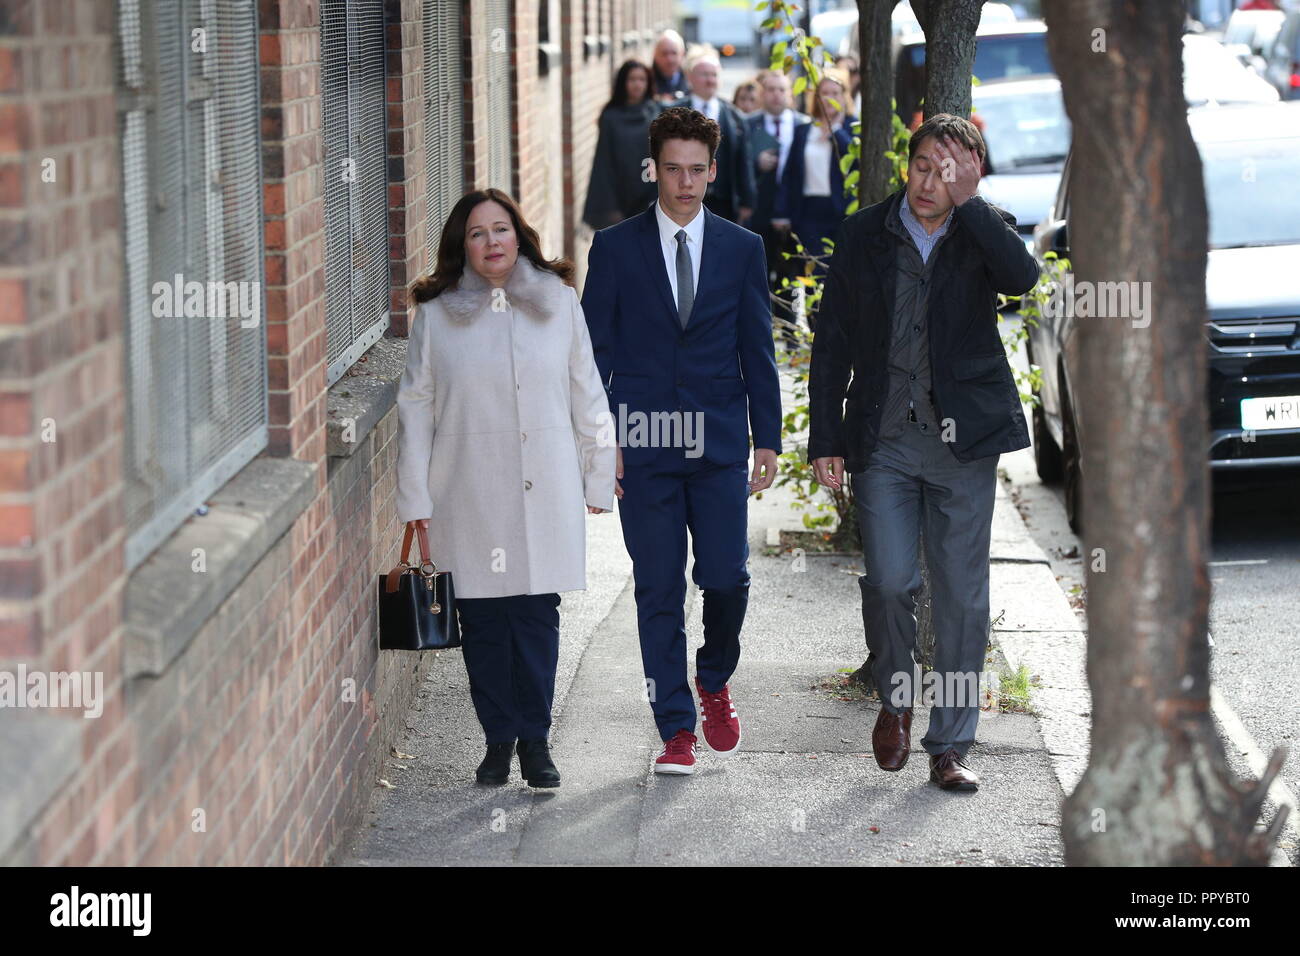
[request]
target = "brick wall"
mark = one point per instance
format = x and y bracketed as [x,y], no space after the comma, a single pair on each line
[61,389]
[249,729]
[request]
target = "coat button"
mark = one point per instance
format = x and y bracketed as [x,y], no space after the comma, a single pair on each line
[523,436]
[527,485]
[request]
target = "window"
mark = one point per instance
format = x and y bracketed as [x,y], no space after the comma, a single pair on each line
[353,109]
[444,156]
[497,75]
[188,109]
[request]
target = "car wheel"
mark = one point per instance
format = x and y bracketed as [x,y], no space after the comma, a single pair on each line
[1047,456]
[1070,465]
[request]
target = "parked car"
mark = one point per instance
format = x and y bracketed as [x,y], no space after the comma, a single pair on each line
[1027,132]
[1211,74]
[1283,66]
[1002,51]
[904,25]
[1251,159]
[1250,34]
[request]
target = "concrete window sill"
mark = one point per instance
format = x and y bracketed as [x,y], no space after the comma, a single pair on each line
[167,602]
[365,394]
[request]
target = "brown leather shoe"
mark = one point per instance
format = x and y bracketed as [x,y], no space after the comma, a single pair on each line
[891,739]
[951,771]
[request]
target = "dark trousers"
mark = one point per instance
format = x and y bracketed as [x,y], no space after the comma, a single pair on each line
[775,242]
[815,221]
[910,479]
[662,499]
[511,646]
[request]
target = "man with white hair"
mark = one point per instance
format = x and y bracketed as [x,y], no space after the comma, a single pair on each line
[733,193]
[670,78]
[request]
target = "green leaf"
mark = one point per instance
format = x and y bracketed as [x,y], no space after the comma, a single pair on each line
[800,84]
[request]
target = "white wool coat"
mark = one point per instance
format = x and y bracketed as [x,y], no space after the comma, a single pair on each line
[504,434]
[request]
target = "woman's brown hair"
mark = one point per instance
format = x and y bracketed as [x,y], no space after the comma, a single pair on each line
[451,247]
[836,75]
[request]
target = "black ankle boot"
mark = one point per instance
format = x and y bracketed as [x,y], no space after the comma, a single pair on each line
[495,768]
[535,764]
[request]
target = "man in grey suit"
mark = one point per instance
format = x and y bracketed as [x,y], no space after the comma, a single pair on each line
[909,312]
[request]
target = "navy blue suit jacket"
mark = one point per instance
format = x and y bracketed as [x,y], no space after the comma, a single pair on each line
[722,364]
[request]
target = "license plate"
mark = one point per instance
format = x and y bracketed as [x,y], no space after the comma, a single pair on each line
[1261,414]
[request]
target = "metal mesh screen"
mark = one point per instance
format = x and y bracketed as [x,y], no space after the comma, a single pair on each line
[444,157]
[497,74]
[353,108]
[192,218]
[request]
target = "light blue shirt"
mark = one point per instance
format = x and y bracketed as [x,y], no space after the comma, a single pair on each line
[925,242]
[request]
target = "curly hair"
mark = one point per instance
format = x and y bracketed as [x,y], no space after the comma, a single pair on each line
[682,122]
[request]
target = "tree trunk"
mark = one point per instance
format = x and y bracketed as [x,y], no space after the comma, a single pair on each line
[949,27]
[876,72]
[1158,789]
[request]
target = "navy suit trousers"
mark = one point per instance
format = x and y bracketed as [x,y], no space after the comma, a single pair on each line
[663,498]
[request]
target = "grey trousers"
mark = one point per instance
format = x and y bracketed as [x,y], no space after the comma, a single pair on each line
[908,480]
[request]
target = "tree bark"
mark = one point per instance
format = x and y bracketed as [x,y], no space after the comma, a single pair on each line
[876,72]
[949,27]
[1158,789]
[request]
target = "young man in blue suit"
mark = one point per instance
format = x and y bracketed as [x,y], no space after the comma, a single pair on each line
[676,301]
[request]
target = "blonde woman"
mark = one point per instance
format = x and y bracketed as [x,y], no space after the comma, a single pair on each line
[504,437]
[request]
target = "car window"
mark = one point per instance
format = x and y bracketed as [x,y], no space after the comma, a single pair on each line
[1024,129]
[1019,55]
[1250,191]
[998,57]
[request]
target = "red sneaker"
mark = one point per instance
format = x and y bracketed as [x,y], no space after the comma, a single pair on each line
[718,722]
[678,755]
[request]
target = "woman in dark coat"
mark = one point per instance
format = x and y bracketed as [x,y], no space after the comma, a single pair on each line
[810,199]
[619,186]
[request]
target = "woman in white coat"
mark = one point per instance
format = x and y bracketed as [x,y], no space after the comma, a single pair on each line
[504,435]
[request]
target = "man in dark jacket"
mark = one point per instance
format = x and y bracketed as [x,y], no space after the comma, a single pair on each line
[670,79]
[771,131]
[909,310]
[732,194]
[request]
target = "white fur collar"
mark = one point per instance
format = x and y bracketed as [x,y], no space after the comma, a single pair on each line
[537,292]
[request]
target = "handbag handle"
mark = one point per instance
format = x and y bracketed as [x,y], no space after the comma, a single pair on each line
[413,528]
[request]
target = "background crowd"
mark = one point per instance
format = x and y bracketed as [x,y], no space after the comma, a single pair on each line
[778,164]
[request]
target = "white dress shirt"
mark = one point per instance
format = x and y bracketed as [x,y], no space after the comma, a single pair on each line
[817,162]
[668,242]
[784,133]
[708,107]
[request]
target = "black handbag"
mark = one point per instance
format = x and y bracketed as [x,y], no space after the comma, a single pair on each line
[417,604]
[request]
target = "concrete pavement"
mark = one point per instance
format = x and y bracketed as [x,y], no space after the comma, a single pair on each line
[803,789]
